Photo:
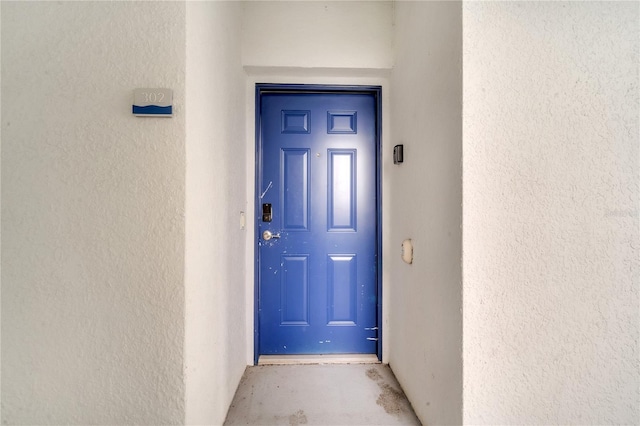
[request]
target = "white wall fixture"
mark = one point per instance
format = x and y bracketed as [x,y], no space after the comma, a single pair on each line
[407,251]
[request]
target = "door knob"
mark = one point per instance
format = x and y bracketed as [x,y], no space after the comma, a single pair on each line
[267,235]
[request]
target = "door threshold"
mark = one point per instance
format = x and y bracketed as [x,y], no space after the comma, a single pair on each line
[318,359]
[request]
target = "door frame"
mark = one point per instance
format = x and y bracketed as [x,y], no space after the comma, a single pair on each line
[265,88]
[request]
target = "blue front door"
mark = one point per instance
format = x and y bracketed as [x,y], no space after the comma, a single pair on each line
[317,223]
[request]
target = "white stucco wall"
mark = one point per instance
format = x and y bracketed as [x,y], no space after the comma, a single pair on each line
[425,204]
[215,344]
[318,34]
[92,214]
[551,205]
[106,216]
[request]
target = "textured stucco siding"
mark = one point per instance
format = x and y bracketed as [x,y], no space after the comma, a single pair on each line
[318,34]
[551,213]
[215,339]
[425,204]
[127,282]
[92,214]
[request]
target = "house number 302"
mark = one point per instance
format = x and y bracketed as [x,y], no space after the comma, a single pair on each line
[158,97]
[148,97]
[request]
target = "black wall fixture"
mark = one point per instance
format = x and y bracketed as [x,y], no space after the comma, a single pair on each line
[398,154]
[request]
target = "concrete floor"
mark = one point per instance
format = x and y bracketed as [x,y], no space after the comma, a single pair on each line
[337,394]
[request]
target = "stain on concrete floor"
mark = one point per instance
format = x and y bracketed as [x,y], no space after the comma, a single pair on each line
[320,394]
[298,418]
[393,400]
[373,374]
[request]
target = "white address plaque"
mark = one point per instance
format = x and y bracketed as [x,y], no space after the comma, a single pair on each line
[153,102]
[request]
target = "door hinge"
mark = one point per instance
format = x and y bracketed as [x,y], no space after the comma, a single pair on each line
[372,338]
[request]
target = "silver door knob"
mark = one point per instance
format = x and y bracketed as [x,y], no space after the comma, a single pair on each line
[267,235]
